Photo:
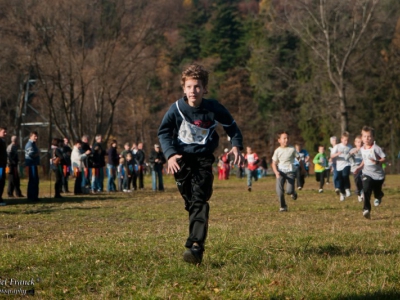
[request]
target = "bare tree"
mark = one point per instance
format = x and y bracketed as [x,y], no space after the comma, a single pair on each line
[333,30]
[86,54]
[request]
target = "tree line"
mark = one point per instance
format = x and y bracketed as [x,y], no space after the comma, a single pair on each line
[315,68]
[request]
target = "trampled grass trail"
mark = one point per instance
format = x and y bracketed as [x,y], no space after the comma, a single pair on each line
[130,245]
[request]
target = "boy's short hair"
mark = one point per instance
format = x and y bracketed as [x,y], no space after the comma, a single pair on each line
[195,71]
[78,142]
[279,133]
[358,137]
[369,129]
[321,146]
[126,144]
[129,154]
[333,138]
[345,134]
[33,133]
[3,128]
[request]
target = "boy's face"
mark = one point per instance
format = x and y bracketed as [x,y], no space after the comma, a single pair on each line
[283,140]
[367,138]
[248,150]
[126,147]
[321,149]
[344,140]
[357,143]
[33,137]
[194,91]
[333,142]
[3,133]
[128,157]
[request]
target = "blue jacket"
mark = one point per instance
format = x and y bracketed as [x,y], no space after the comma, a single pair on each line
[32,154]
[207,116]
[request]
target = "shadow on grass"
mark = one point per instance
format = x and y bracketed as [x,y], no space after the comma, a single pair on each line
[68,199]
[335,250]
[389,295]
[46,210]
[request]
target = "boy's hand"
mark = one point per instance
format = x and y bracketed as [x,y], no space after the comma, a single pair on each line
[173,166]
[277,175]
[239,159]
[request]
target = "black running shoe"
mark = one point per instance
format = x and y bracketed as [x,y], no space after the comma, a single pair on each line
[194,255]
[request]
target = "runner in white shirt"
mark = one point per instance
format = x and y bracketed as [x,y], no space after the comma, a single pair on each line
[283,164]
[371,166]
[341,153]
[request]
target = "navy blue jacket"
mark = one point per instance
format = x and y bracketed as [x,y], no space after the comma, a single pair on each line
[205,116]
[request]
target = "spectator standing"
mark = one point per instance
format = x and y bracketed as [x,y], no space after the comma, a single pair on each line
[67,167]
[3,162]
[57,163]
[13,172]
[121,173]
[125,151]
[140,158]
[77,158]
[113,161]
[32,160]
[87,167]
[98,165]
[157,160]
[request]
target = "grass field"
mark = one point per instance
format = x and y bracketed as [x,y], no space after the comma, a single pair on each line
[129,246]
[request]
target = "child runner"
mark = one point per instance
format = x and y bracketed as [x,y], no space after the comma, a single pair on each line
[355,159]
[333,140]
[340,152]
[252,165]
[283,164]
[371,166]
[188,137]
[320,163]
[305,157]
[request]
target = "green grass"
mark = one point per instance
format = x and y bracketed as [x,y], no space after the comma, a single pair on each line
[120,246]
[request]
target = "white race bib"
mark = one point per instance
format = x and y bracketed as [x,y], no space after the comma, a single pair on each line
[192,134]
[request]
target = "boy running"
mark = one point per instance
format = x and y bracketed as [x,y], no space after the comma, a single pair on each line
[188,137]
[283,164]
[373,175]
[320,163]
[340,152]
[355,158]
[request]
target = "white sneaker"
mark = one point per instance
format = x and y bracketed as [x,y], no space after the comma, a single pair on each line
[125,190]
[283,209]
[361,197]
[377,202]
[367,214]
[337,191]
[342,197]
[348,193]
[320,191]
[299,188]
